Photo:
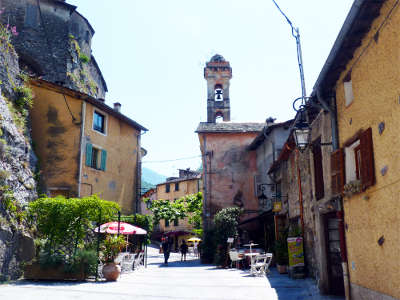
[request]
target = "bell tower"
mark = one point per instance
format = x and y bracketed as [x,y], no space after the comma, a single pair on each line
[218,74]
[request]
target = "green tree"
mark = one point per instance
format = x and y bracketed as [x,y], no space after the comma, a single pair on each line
[189,206]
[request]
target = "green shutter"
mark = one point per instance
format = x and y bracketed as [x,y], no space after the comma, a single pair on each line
[89,150]
[103,159]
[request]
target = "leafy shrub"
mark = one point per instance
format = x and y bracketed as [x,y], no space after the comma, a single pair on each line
[226,222]
[63,224]
[208,247]
[24,97]
[84,259]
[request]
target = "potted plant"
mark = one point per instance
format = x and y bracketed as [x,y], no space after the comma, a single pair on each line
[112,246]
[281,254]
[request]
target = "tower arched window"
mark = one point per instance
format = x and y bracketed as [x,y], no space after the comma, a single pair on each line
[219,117]
[218,92]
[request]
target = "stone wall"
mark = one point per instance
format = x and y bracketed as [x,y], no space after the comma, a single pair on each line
[54,42]
[17,164]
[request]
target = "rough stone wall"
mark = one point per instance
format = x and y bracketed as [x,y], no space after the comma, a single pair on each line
[17,184]
[54,42]
[302,162]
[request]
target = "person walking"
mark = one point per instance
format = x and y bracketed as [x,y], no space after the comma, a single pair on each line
[195,249]
[166,249]
[184,249]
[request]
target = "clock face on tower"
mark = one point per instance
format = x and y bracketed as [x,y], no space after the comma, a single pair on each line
[219,94]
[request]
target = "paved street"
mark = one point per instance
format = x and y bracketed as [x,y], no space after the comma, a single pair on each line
[179,280]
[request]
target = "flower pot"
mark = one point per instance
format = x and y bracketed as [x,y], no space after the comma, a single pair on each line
[111,271]
[282,269]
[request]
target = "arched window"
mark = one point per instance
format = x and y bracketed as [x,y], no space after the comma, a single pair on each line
[219,117]
[218,92]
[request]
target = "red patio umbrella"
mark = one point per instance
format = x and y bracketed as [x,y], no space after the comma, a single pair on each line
[124,228]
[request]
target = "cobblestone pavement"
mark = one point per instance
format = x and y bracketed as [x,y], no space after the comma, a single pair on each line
[179,280]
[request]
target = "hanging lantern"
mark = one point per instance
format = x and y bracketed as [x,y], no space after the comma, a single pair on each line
[302,131]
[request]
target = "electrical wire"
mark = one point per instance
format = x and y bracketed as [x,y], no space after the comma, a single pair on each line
[171,160]
[296,35]
[287,19]
[69,109]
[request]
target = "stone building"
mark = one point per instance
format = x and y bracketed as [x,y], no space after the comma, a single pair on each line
[267,146]
[308,203]
[54,42]
[229,168]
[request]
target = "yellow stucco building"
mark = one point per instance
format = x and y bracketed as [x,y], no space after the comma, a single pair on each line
[188,183]
[85,147]
[363,71]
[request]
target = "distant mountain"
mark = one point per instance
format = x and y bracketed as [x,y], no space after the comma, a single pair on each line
[151,177]
[147,186]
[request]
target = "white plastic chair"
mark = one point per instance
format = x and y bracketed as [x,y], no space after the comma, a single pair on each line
[127,263]
[139,260]
[260,266]
[235,258]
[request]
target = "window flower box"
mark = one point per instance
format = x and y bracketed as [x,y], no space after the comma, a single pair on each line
[352,188]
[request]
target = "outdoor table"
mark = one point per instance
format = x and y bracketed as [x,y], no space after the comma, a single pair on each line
[250,245]
[252,257]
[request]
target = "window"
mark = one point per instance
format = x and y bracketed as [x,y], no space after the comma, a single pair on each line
[176,222]
[348,92]
[166,223]
[318,170]
[357,157]
[96,158]
[148,204]
[99,122]
[356,160]
[219,93]
[177,186]
[167,188]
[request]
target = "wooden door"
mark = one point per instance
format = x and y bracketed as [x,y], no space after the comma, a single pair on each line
[334,261]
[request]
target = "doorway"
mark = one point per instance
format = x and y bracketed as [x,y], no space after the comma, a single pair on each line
[334,261]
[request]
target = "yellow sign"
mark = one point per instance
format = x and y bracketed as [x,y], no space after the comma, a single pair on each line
[277,207]
[296,253]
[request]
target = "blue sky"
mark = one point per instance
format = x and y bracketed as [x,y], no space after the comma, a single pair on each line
[152,54]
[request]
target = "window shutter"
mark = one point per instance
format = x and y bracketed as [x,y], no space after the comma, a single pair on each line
[318,171]
[367,159]
[103,159]
[337,171]
[89,149]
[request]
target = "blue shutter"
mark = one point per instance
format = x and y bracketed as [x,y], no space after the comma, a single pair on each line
[89,150]
[103,159]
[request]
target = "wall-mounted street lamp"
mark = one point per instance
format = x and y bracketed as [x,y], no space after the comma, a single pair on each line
[302,130]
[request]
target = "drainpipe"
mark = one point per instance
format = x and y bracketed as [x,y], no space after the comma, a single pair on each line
[82,148]
[205,186]
[300,192]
